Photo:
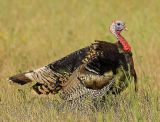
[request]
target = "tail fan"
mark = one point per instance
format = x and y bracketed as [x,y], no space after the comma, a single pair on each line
[41,75]
[21,78]
[47,80]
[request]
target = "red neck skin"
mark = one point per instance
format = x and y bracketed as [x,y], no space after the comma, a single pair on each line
[126,47]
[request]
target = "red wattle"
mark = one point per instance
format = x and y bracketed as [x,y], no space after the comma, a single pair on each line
[125,45]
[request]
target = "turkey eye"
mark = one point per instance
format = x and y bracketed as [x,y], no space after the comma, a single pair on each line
[118,24]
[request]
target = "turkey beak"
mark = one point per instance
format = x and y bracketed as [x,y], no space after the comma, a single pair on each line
[125,28]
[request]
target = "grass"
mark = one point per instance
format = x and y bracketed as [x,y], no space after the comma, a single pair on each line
[35,33]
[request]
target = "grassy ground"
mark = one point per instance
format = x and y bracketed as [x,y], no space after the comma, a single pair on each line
[35,33]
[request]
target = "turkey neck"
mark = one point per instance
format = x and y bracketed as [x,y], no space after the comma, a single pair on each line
[125,46]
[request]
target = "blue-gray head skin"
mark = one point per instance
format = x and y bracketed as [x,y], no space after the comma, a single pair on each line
[117,26]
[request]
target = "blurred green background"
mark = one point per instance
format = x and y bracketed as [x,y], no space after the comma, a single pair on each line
[35,33]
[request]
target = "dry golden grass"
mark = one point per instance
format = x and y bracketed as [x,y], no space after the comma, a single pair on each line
[35,33]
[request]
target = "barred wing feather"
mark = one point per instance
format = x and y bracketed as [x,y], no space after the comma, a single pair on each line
[49,77]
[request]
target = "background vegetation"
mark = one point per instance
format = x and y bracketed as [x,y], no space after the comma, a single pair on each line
[34,33]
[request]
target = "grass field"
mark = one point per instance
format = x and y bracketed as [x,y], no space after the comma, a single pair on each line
[35,33]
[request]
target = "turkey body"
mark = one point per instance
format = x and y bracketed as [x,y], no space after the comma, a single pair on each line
[92,70]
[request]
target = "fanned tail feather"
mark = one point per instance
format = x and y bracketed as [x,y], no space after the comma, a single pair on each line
[45,78]
[21,78]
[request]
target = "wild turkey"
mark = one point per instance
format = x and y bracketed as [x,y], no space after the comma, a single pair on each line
[91,70]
